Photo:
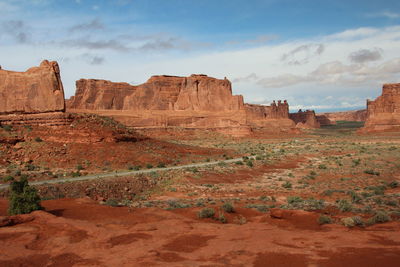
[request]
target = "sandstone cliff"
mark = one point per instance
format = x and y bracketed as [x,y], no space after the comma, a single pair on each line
[332,117]
[197,92]
[193,102]
[383,114]
[38,90]
[305,119]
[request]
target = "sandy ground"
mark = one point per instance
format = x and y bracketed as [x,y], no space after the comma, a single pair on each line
[80,232]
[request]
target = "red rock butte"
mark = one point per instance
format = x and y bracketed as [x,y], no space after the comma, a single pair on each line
[38,90]
[197,101]
[305,119]
[383,114]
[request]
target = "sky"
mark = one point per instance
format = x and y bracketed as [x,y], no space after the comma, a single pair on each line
[317,54]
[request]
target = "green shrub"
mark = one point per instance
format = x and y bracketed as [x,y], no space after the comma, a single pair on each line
[294,199]
[206,213]
[393,184]
[161,165]
[228,207]
[372,172]
[7,128]
[79,167]
[322,167]
[287,185]
[379,217]
[112,202]
[249,163]
[222,218]
[344,205]
[149,166]
[324,219]
[23,198]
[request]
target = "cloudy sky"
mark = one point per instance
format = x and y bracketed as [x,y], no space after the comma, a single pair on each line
[319,54]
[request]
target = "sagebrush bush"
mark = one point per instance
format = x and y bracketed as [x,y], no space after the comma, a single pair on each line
[228,207]
[206,213]
[23,198]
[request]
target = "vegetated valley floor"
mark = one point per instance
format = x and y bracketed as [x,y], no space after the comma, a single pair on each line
[326,198]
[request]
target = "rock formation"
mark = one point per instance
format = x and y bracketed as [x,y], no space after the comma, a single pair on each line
[196,101]
[305,119]
[383,114]
[330,118]
[197,92]
[38,90]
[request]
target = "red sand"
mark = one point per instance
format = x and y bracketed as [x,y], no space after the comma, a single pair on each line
[79,232]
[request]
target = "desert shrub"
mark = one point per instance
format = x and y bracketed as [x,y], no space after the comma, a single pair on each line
[112,202]
[38,139]
[249,163]
[240,219]
[358,220]
[175,204]
[372,172]
[343,205]
[149,166]
[228,207]
[379,217]
[259,207]
[287,185]
[348,222]
[322,167]
[239,162]
[30,167]
[294,199]
[23,198]
[393,184]
[222,218]
[161,165]
[324,219]
[79,167]
[355,198]
[206,213]
[8,178]
[7,128]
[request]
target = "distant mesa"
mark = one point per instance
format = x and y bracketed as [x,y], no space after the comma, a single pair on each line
[330,118]
[383,114]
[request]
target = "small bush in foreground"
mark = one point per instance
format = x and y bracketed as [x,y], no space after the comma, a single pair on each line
[206,213]
[324,219]
[23,198]
[228,207]
[379,217]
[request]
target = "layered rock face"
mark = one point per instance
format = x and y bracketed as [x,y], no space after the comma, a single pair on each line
[197,92]
[383,114]
[330,118]
[305,119]
[197,101]
[38,90]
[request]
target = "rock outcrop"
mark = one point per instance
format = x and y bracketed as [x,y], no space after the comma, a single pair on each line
[197,101]
[330,118]
[38,90]
[197,92]
[305,119]
[383,114]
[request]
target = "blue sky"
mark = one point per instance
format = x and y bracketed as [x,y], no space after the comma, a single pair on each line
[325,55]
